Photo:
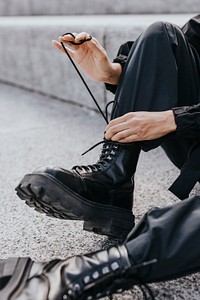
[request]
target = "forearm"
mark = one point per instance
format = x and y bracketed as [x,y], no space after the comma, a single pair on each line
[118,64]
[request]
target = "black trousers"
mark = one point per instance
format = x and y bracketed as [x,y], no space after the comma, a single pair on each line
[162,71]
[169,240]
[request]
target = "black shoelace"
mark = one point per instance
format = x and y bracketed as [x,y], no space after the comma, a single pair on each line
[105,116]
[127,283]
[107,153]
[117,284]
[83,80]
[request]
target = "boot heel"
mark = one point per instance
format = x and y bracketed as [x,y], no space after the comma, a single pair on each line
[116,228]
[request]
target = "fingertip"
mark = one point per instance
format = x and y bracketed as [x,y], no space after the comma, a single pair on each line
[56,43]
[108,136]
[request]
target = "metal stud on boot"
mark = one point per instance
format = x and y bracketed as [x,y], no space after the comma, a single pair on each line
[89,276]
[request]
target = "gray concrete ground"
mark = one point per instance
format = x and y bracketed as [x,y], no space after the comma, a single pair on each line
[37,130]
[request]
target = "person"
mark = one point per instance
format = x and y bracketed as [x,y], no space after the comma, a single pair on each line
[162,246]
[156,81]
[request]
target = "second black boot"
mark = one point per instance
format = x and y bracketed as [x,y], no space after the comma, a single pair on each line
[82,277]
[101,194]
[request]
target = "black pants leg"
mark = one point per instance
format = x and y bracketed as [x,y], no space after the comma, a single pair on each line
[161,73]
[171,235]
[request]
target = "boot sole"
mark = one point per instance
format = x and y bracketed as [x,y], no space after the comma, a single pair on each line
[47,195]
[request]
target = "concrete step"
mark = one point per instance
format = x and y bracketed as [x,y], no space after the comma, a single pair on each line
[67,7]
[29,60]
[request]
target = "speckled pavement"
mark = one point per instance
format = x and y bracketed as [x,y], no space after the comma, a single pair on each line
[36,130]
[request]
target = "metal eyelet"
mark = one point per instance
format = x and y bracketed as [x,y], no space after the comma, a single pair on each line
[105,270]
[114,266]
[95,275]
[86,279]
[77,287]
[99,295]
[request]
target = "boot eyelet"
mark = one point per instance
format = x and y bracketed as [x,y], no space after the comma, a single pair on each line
[69,292]
[105,270]
[77,287]
[114,266]
[86,279]
[95,275]
[99,295]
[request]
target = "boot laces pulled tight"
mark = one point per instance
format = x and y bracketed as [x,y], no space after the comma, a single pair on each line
[108,152]
[110,148]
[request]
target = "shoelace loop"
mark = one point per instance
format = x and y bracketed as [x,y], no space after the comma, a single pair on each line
[83,80]
[81,41]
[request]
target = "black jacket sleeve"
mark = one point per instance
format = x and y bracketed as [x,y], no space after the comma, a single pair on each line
[187,119]
[121,59]
[192,31]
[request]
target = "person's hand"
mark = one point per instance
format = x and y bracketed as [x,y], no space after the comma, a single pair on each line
[140,126]
[91,57]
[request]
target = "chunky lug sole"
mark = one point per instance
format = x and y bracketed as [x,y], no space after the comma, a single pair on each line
[48,195]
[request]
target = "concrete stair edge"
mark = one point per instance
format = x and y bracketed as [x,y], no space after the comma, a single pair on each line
[67,7]
[28,60]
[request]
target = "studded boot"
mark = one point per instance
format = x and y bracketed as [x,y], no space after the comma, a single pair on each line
[101,194]
[89,276]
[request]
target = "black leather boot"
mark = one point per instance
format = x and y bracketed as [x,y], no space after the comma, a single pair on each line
[80,277]
[100,194]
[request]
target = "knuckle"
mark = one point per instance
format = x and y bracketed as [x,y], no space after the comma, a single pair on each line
[129,114]
[113,130]
[82,34]
[94,40]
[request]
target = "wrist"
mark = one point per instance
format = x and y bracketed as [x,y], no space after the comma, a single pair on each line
[113,75]
[170,121]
